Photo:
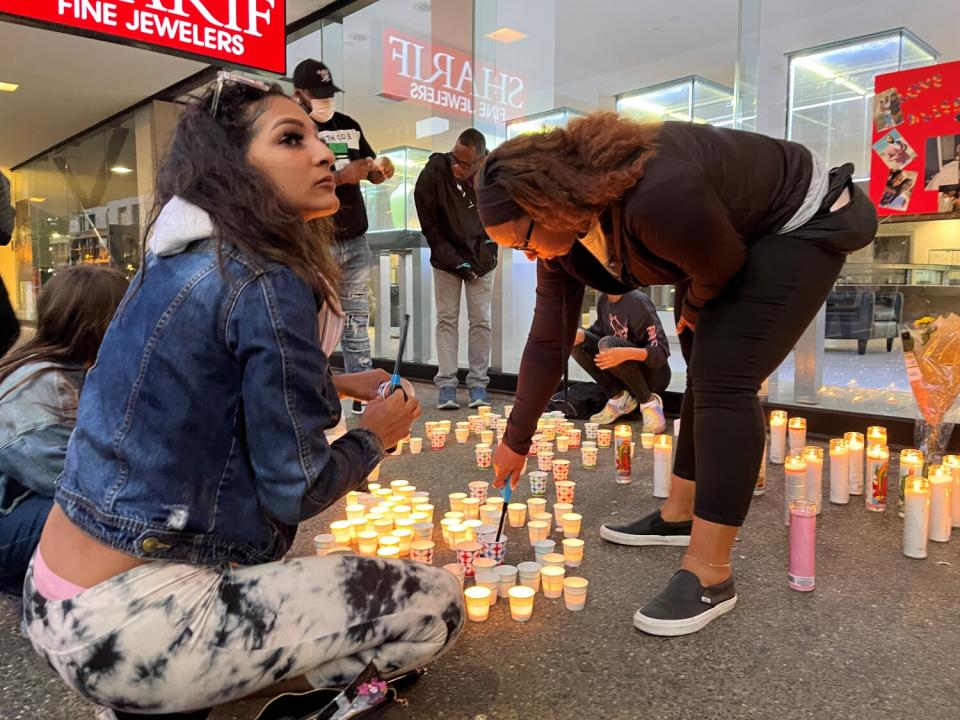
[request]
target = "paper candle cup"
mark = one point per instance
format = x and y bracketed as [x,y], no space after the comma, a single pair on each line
[486,437]
[604,437]
[422,551]
[478,490]
[521,602]
[571,524]
[590,429]
[561,470]
[438,439]
[537,530]
[342,532]
[572,552]
[565,490]
[367,543]
[517,513]
[538,483]
[542,548]
[536,505]
[390,552]
[563,443]
[588,457]
[356,511]
[340,550]
[484,456]
[405,536]
[528,574]
[495,550]
[646,440]
[545,461]
[507,577]
[478,603]
[491,582]
[423,530]
[462,435]
[552,580]
[454,515]
[496,502]
[456,501]
[546,518]
[553,559]
[534,445]
[485,567]
[467,552]
[459,533]
[471,508]
[445,526]
[416,445]
[486,533]
[427,509]
[472,526]
[559,510]
[575,593]
[575,436]
[396,484]
[322,543]
[490,514]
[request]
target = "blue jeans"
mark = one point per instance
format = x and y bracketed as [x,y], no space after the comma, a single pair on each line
[19,536]
[355,259]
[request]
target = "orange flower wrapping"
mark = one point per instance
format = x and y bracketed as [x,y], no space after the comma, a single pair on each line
[938,359]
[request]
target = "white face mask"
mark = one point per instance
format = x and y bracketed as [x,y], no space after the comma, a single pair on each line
[322,110]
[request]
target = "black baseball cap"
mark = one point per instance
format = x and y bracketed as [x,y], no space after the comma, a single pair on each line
[314,77]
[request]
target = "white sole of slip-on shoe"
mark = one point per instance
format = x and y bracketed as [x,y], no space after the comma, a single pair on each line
[683,626]
[643,540]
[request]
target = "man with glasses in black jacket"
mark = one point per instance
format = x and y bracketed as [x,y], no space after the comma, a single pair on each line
[463,258]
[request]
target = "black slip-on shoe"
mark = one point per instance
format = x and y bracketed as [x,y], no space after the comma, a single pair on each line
[685,606]
[650,530]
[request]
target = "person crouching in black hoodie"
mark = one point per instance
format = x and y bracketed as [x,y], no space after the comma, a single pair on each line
[462,257]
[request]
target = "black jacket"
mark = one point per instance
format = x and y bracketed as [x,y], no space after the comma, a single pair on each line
[449,220]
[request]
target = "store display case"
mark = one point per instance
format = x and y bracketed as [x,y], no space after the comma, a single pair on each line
[558,117]
[391,210]
[830,94]
[685,99]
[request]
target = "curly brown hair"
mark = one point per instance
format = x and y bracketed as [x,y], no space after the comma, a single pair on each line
[566,176]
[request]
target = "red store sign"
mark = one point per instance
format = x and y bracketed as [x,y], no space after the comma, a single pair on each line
[418,70]
[241,32]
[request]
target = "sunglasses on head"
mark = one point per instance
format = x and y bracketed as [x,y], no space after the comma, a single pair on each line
[224,78]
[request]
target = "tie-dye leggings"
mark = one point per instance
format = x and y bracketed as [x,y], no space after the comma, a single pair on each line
[170,637]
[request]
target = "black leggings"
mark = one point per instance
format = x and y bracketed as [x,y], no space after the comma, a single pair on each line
[742,337]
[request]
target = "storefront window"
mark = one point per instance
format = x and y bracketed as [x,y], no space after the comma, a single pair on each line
[79,203]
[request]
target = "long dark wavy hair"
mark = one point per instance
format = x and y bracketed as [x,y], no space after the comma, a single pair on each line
[73,312]
[568,175]
[207,166]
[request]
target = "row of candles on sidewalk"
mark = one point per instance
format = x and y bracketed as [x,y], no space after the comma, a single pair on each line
[397,522]
[859,465]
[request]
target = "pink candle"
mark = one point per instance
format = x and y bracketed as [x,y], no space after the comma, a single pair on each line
[803,545]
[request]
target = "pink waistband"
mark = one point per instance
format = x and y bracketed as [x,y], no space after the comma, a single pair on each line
[50,585]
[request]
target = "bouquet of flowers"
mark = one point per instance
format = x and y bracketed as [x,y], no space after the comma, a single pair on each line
[931,352]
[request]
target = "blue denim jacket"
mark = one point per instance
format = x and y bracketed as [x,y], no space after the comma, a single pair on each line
[36,418]
[199,435]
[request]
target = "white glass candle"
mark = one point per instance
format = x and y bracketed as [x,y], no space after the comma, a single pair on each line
[478,603]
[795,471]
[839,472]
[941,483]
[778,436]
[797,428]
[521,602]
[662,465]
[855,445]
[953,462]
[911,466]
[813,456]
[916,518]
[876,435]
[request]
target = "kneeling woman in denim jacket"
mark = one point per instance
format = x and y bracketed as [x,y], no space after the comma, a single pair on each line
[158,586]
[40,385]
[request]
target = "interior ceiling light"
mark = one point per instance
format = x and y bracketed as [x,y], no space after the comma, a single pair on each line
[8,87]
[120,170]
[506,35]
[37,199]
[828,74]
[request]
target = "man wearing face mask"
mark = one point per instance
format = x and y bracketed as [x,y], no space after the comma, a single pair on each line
[462,257]
[356,161]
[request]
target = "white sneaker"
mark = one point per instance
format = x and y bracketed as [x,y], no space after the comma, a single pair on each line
[624,404]
[653,419]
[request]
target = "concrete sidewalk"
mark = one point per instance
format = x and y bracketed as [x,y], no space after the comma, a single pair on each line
[879,638]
